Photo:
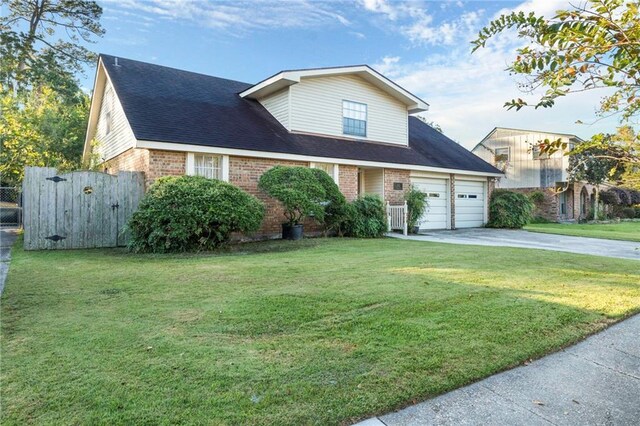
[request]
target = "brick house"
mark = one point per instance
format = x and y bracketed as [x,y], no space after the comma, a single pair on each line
[352,122]
[525,170]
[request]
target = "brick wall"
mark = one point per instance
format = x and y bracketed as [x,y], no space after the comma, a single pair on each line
[165,163]
[452,199]
[549,207]
[391,176]
[134,159]
[348,181]
[245,173]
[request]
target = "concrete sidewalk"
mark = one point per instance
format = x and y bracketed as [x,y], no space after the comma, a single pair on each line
[595,382]
[7,238]
[533,240]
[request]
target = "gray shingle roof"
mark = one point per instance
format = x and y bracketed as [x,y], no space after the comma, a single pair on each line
[169,105]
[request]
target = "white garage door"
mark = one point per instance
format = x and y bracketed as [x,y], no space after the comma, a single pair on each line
[435,216]
[469,203]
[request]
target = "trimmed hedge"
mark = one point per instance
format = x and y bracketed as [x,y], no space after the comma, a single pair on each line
[335,204]
[508,209]
[190,213]
[367,218]
[298,189]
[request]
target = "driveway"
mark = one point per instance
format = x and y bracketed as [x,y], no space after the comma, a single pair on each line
[7,238]
[595,382]
[534,240]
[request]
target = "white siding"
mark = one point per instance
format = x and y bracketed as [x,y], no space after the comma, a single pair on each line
[316,107]
[121,137]
[374,182]
[522,170]
[278,105]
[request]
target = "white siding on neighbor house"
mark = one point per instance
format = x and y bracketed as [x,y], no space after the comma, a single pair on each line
[374,182]
[523,171]
[316,107]
[121,137]
[278,105]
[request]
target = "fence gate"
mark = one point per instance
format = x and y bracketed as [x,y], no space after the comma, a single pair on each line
[79,209]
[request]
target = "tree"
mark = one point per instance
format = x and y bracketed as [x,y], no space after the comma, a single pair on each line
[595,164]
[38,128]
[29,50]
[595,45]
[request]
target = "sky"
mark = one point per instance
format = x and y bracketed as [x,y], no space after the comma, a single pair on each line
[422,45]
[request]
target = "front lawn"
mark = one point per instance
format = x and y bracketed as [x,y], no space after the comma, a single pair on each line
[629,231]
[331,332]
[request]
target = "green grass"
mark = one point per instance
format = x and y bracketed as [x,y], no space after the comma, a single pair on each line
[328,333]
[628,231]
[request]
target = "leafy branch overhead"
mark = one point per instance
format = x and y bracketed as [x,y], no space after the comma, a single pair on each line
[592,46]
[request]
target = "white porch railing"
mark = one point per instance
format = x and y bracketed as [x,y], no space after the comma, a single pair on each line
[397,217]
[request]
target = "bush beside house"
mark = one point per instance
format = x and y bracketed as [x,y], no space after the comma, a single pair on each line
[367,218]
[190,213]
[508,209]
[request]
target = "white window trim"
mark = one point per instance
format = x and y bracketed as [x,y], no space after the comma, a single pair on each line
[224,166]
[336,170]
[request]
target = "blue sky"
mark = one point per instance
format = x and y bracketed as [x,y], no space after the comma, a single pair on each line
[422,45]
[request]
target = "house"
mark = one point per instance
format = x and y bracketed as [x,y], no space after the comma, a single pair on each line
[352,122]
[526,170]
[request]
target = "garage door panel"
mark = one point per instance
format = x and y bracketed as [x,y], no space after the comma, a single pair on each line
[470,204]
[435,215]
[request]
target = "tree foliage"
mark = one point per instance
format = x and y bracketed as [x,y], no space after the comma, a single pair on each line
[416,204]
[42,42]
[298,190]
[335,204]
[508,209]
[367,218]
[38,128]
[593,45]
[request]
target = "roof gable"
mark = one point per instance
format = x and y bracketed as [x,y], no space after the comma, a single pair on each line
[287,78]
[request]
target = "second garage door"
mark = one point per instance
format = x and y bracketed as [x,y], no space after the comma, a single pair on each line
[435,216]
[470,199]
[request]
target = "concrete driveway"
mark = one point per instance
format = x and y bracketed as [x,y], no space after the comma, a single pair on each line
[533,240]
[596,382]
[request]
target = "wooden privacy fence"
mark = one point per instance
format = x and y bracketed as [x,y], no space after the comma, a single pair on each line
[397,217]
[79,209]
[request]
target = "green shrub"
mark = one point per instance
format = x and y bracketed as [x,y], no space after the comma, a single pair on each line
[637,210]
[537,197]
[509,209]
[416,203]
[367,218]
[298,189]
[189,213]
[335,205]
[628,213]
[540,219]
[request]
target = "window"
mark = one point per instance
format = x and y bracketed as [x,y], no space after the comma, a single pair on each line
[108,122]
[462,195]
[473,196]
[328,168]
[108,108]
[502,155]
[535,152]
[433,195]
[207,166]
[354,118]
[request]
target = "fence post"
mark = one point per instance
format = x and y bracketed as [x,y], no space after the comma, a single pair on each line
[388,218]
[406,217]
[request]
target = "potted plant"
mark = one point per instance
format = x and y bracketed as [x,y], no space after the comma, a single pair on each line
[300,193]
[416,204]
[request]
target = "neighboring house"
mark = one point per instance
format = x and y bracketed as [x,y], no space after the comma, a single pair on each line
[514,151]
[351,122]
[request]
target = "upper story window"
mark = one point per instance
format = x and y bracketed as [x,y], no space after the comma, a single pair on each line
[354,118]
[502,155]
[108,116]
[207,165]
[537,155]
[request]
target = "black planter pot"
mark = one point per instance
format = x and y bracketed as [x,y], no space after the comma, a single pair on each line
[416,229]
[292,232]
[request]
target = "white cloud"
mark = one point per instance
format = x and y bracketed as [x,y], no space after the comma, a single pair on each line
[467,92]
[238,15]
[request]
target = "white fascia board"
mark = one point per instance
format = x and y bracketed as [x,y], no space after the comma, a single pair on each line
[168,146]
[96,100]
[287,78]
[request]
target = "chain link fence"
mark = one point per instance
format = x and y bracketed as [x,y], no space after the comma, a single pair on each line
[10,206]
